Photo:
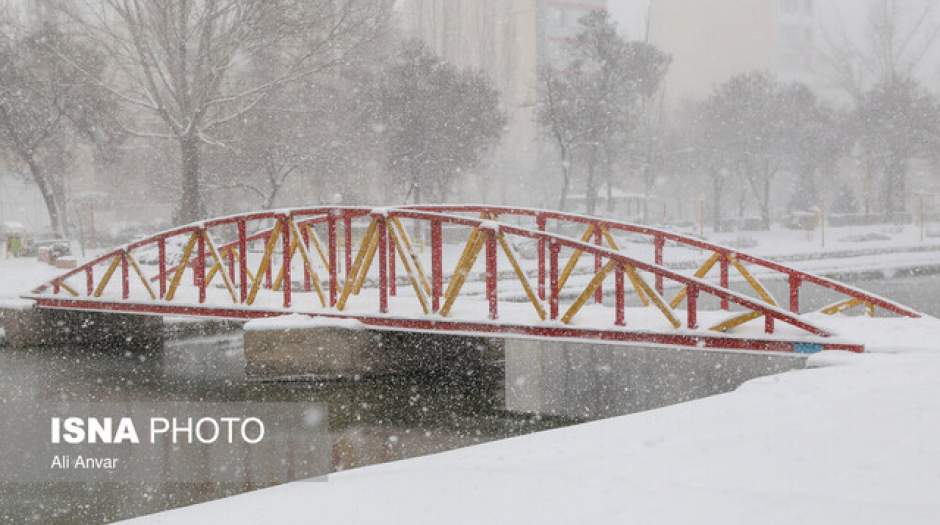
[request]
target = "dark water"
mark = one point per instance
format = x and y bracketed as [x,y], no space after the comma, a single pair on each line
[369,421]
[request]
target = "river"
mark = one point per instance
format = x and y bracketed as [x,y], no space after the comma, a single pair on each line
[369,421]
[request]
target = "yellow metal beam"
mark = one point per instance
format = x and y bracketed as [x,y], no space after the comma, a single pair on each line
[751,280]
[367,263]
[409,248]
[106,278]
[318,246]
[654,296]
[700,273]
[212,273]
[840,306]
[67,288]
[609,238]
[411,274]
[507,249]
[349,285]
[279,278]
[736,321]
[588,292]
[140,275]
[463,268]
[218,262]
[471,243]
[180,268]
[573,261]
[265,262]
[305,255]
[637,287]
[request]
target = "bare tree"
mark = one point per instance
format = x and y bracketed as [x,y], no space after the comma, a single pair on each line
[181,61]
[437,121]
[896,42]
[590,105]
[559,115]
[897,122]
[46,106]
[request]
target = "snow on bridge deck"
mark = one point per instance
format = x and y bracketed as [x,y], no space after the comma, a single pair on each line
[371,283]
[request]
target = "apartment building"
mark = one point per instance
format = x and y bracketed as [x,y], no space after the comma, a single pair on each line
[712,41]
[509,40]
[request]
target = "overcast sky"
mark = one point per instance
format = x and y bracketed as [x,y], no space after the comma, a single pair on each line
[631,14]
[836,19]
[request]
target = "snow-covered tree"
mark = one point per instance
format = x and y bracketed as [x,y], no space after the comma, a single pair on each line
[591,105]
[49,104]
[897,122]
[435,120]
[180,62]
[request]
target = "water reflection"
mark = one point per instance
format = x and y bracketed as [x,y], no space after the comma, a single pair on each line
[369,421]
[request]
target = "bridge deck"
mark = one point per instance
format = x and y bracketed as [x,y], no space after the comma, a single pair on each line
[511,274]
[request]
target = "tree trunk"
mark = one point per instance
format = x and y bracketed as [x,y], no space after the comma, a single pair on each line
[893,188]
[647,190]
[48,197]
[608,179]
[592,183]
[39,176]
[417,187]
[190,203]
[610,192]
[717,191]
[60,195]
[565,181]
[765,206]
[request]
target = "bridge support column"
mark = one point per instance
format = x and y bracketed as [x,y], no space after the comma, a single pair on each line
[314,349]
[325,349]
[30,327]
[592,380]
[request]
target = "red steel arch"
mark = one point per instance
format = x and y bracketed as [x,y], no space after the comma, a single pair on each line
[265,287]
[795,278]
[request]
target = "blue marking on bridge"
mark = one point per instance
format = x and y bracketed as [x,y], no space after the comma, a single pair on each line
[807,348]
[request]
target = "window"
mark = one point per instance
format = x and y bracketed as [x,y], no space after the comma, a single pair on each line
[789,36]
[556,17]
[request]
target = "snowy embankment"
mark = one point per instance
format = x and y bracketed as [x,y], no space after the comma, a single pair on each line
[854,439]
[19,276]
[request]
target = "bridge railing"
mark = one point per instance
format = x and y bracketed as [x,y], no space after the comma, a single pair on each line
[600,230]
[386,239]
[244,265]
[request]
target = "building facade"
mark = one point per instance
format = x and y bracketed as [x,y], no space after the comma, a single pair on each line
[508,40]
[712,41]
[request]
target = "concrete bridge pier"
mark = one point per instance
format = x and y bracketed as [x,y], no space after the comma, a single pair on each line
[539,376]
[595,380]
[336,349]
[26,326]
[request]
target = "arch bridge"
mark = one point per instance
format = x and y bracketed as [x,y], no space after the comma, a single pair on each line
[467,269]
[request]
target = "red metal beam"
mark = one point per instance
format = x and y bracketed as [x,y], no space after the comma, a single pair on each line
[685,240]
[433,215]
[690,340]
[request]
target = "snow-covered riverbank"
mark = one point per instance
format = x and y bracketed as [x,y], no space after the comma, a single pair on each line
[855,439]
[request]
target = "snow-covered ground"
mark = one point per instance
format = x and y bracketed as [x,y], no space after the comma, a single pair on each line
[18,276]
[855,439]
